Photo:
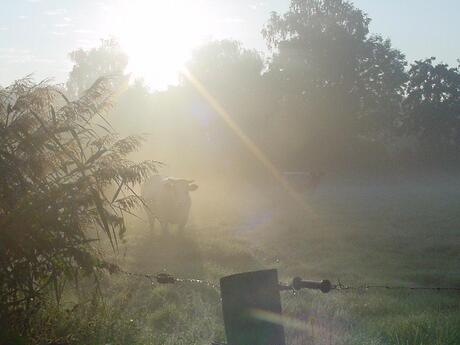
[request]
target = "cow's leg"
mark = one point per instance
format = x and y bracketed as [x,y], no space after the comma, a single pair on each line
[183,219]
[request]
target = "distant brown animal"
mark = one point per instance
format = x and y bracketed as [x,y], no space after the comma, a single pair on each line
[168,201]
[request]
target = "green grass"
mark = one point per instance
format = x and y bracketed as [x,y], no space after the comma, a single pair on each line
[398,233]
[388,235]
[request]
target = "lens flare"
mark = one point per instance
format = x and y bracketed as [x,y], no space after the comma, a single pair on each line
[249,144]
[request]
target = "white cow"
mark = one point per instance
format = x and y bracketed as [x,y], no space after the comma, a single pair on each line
[167,200]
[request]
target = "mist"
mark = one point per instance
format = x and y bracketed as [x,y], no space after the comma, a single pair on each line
[327,154]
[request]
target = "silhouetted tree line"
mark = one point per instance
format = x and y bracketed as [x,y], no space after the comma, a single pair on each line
[329,96]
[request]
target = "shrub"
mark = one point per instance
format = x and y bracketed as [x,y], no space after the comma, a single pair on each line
[58,162]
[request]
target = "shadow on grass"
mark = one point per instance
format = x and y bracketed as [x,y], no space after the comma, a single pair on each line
[173,252]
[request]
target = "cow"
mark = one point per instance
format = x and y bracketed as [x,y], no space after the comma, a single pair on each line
[167,200]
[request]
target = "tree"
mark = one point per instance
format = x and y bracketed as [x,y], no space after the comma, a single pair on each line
[318,42]
[225,66]
[432,107]
[232,75]
[131,113]
[58,163]
[106,60]
[336,83]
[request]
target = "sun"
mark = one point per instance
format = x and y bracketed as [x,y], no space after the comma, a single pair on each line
[159,37]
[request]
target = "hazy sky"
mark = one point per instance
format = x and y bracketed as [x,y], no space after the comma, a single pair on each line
[37,35]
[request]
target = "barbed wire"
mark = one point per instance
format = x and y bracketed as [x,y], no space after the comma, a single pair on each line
[160,278]
[325,285]
[166,278]
[364,287]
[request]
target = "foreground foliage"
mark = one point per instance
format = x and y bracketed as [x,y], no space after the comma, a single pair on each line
[58,161]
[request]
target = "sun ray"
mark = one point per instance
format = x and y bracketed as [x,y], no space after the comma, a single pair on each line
[248,143]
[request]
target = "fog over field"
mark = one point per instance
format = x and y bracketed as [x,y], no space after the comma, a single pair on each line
[149,149]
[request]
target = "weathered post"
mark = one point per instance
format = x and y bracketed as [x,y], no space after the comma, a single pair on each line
[251,306]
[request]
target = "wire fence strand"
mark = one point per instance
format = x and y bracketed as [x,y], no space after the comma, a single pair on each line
[166,278]
[365,287]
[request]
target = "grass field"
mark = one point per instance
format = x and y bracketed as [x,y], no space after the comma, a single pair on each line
[403,231]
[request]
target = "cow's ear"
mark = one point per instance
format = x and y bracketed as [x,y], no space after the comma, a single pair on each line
[192,187]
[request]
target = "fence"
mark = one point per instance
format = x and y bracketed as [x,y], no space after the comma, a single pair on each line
[251,302]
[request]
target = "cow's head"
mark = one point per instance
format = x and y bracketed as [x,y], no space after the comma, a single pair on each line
[181,187]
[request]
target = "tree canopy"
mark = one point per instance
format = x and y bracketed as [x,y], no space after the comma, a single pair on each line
[333,77]
[89,65]
[432,107]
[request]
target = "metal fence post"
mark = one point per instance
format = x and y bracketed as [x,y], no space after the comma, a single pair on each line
[251,307]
